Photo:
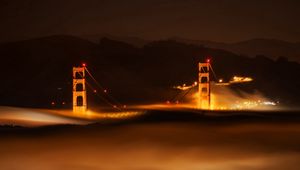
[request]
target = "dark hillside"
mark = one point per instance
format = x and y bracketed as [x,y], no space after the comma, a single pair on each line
[38,71]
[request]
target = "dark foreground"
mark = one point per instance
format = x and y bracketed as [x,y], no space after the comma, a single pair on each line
[159,140]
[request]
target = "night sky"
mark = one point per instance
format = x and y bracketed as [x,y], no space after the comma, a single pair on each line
[217,20]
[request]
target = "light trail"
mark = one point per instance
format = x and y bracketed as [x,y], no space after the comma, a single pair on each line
[43,117]
[35,117]
[95,116]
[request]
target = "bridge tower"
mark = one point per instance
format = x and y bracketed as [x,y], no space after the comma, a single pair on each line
[79,90]
[204,85]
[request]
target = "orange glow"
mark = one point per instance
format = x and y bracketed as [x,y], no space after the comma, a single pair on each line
[37,117]
[92,115]
[41,117]
[222,98]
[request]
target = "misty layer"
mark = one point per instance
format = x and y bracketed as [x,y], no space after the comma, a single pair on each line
[156,146]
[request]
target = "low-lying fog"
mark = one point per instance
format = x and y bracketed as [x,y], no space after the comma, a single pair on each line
[156,146]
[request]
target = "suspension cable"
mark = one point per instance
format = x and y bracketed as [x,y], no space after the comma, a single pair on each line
[212,70]
[185,94]
[98,95]
[174,98]
[98,84]
[102,98]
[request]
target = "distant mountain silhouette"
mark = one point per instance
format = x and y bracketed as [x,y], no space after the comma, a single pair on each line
[38,71]
[136,41]
[269,47]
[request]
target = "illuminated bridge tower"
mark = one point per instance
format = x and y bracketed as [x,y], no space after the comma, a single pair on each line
[79,90]
[204,86]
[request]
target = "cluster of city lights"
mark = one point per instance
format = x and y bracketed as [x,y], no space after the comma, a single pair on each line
[185,86]
[238,79]
[246,105]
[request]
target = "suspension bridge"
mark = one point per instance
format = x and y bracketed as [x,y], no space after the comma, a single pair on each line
[204,83]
